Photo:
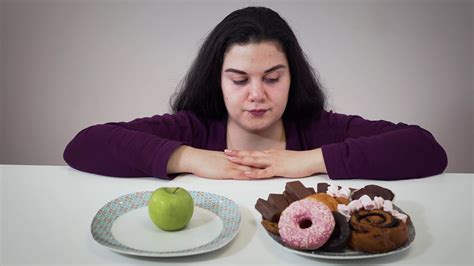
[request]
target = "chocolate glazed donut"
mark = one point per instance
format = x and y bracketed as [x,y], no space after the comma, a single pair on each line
[339,237]
[376,231]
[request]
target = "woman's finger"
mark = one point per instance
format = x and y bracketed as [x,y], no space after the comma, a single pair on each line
[240,176]
[259,174]
[243,168]
[235,174]
[239,153]
[258,162]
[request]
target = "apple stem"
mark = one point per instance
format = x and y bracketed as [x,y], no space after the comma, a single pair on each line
[174,191]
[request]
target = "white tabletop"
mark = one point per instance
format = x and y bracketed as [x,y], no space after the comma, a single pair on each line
[46,214]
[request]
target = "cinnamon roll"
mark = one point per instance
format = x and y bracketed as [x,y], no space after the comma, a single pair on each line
[376,231]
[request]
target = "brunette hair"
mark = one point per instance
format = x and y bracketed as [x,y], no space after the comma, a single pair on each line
[200,90]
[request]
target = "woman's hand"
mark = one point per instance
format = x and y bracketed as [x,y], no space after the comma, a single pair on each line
[208,164]
[282,163]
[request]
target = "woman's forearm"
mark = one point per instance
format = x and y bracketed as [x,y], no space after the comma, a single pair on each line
[115,151]
[182,160]
[410,152]
[317,163]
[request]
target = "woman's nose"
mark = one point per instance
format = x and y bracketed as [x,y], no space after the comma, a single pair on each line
[256,92]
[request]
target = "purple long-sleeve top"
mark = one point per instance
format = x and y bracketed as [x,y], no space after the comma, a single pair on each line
[352,147]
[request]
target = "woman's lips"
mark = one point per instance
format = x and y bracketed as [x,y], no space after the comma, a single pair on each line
[257,112]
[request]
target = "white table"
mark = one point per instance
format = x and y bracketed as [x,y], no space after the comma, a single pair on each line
[46,213]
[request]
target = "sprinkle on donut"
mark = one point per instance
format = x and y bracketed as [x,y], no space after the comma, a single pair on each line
[306,224]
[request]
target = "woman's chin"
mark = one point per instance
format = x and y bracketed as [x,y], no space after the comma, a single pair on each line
[256,126]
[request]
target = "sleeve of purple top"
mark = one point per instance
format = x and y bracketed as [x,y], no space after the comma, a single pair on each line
[141,147]
[380,150]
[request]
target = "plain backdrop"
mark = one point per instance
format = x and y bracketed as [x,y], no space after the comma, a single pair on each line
[68,64]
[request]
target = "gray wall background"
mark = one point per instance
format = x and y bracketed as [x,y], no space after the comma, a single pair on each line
[68,64]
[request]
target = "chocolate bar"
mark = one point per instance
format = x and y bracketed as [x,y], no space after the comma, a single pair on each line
[297,190]
[290,198]
[279,201]
[268,211]
[322,187]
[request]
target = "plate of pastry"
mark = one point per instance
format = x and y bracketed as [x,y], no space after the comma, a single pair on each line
[124,226]
[334,222]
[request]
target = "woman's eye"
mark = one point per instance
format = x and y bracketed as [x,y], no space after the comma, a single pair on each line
[272,81]
[240,82]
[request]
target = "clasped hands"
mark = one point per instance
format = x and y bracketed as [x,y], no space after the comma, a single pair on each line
[240,164]
[276,163]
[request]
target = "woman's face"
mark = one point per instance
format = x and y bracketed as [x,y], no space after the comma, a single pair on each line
[255,82]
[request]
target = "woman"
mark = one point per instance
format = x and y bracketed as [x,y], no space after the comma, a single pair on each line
[250,107]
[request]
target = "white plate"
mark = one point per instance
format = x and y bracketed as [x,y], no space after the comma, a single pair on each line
[348,253]
[123,225]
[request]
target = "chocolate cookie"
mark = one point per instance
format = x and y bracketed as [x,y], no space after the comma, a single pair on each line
[340,236]
[373,191]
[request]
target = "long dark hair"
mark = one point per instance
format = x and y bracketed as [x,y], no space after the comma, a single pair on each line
[200,90]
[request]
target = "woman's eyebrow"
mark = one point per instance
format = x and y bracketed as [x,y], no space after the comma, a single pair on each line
[273,68]
[235,71]
[244,73]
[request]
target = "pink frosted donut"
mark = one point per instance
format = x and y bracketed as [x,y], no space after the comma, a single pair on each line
[306,224]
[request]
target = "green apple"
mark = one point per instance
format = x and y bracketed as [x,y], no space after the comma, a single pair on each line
[171,208]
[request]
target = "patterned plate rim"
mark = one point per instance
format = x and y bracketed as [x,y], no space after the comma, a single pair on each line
[348,253]
[106,216]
